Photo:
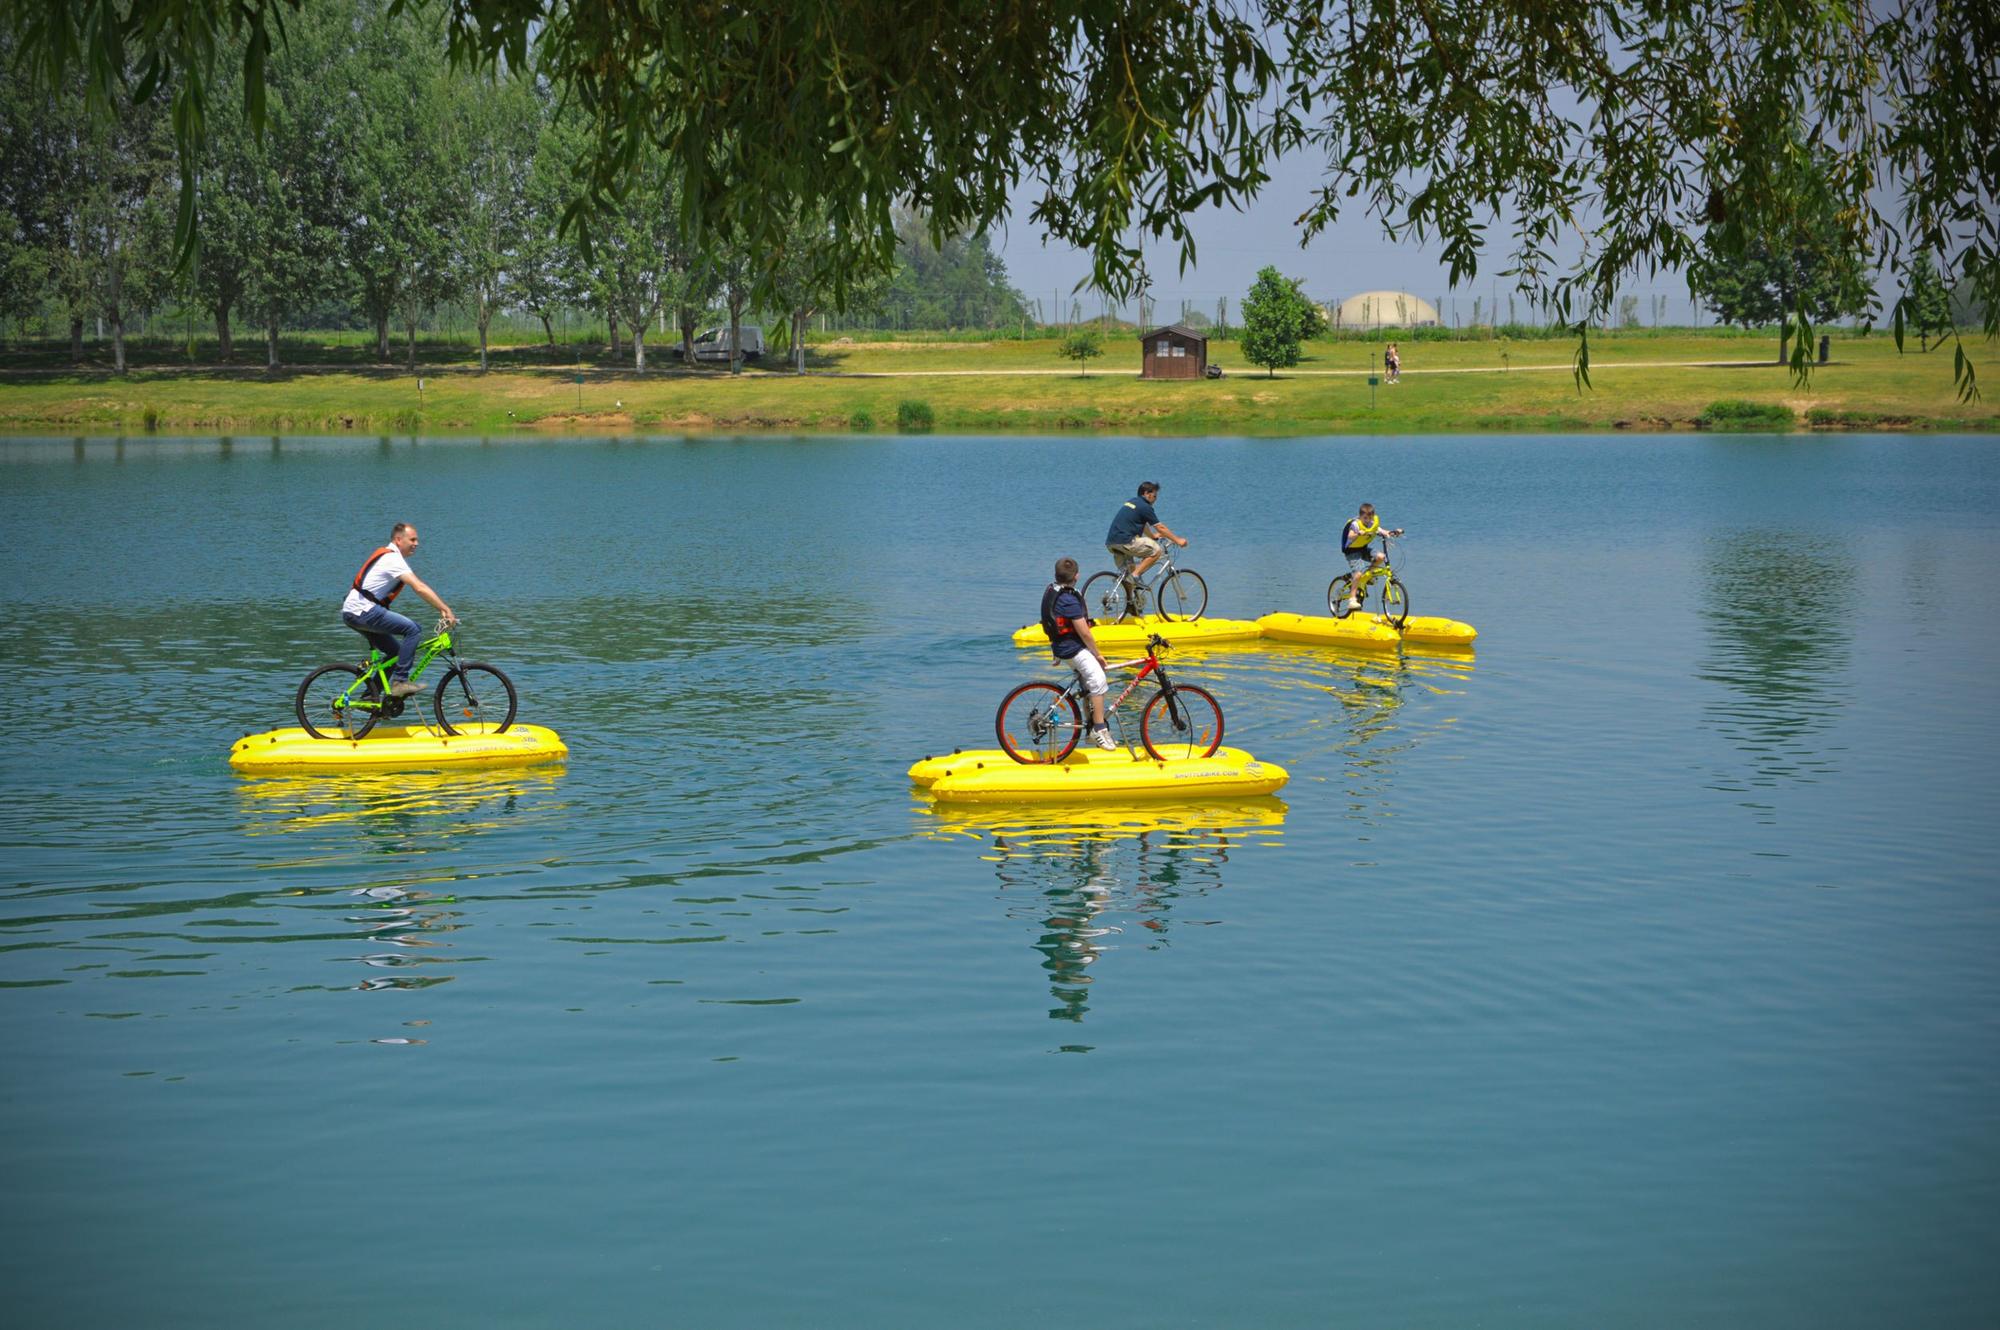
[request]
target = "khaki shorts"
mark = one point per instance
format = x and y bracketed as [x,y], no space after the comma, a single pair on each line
[1138,550]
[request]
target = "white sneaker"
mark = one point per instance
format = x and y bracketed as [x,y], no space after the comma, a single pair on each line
[1351,604]
[1102,738]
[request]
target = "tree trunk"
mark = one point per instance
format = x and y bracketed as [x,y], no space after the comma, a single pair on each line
[612,319]
[548,328]
[382,337]
[735,335]
[271,343]
[76,341]
[687,321]
[485,318]
[224,338]
[118,341]
[412,326]
[639,345]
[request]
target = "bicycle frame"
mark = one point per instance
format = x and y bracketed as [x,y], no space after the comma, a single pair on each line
[1364,580]
[375,670]
[1149,664]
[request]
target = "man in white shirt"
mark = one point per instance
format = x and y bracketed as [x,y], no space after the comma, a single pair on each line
[366,609]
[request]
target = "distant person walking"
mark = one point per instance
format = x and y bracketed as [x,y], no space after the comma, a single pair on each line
[1392,361]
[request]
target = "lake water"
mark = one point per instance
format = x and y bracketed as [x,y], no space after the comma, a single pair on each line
[1640,971]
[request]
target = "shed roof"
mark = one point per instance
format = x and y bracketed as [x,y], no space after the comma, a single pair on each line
[1180,328]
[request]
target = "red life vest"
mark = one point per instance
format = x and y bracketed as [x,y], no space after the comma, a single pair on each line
[365,593]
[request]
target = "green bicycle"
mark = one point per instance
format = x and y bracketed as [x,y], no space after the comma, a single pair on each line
[1395,603]
[345,701]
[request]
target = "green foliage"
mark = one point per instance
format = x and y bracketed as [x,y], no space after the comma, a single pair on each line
[1739,415]
[1796,262]
[953,282]
[914,416]
[1082,346]
[861,422]
[1928,303]
[1277,318]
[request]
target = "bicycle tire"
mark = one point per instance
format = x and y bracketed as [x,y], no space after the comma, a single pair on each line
[1104,597]
[1030,727]
[337,724]
[1182,595]
[469,691]
[1336,594]
[1190,725]
[1395,603]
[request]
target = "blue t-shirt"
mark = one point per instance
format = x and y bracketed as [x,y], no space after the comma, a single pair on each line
[1131,521]
[1066,607]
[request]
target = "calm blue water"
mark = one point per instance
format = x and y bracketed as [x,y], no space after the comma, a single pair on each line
[1641,972]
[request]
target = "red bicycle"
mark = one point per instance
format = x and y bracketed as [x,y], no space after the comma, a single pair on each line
[1041,722]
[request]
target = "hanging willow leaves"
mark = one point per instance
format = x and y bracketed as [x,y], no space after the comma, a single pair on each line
[1512,129]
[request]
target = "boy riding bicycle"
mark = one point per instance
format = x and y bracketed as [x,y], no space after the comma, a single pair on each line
[1067,622]
[1357,543]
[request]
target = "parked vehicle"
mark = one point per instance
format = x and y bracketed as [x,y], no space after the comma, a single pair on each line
[714,343]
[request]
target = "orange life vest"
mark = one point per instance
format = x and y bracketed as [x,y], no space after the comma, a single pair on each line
[368,595]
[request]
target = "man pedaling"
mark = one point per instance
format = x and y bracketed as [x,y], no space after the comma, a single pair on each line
[366,610]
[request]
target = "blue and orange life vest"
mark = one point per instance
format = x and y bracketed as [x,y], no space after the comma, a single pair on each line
[1057,626]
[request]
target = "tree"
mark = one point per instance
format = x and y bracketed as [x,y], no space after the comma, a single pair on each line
[1277,318]
[1929,303]
[1117,118]
[498,124]
[548,273]
[1083,346]
[1795,267]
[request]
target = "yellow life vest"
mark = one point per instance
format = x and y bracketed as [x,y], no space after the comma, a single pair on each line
[1363,532]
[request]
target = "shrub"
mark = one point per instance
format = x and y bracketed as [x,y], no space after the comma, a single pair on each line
[861,422]
[152,419]
[914,416]
[1736,414]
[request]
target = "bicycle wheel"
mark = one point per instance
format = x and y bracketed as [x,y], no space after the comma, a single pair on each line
[474,699]
[1037,723]
[1186,724]
[1104,597]
[1395,602]
[1336,594]
[329,710]
[1183,595]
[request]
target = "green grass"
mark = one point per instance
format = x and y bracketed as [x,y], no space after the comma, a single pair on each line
[977,387]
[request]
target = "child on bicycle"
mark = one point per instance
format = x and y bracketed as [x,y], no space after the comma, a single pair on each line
[1131,542]
[1357,543]
[1067,622]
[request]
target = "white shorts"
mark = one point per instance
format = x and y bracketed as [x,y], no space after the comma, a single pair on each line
[1092,674]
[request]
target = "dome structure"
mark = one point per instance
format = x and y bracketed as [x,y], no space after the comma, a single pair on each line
[1383,309]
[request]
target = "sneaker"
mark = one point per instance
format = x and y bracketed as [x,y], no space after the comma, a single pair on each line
[1102,738]
[1350,604]
[405,688]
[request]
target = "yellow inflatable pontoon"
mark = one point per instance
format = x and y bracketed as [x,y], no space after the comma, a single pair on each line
[394,747]
[1362,632]
[1131,634]
[990,776]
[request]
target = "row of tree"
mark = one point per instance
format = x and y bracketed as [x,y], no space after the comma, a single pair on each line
[385,186]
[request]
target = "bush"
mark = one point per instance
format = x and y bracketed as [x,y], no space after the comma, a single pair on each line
[1736,414]
[914,416]
[152,420]
[861,422]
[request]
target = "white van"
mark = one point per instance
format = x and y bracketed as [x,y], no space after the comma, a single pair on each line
[714,344]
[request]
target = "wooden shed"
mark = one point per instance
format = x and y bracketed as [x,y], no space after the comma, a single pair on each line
[1174,352]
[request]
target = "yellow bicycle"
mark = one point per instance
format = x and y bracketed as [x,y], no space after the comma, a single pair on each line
[1393,602]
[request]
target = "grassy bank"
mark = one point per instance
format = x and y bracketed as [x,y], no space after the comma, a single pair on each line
[1653,381]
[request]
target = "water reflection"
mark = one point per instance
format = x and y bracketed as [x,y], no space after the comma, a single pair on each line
[1776,613]
[1084,876]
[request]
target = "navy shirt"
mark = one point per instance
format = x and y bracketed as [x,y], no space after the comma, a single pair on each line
[1065,607]
[1131,521]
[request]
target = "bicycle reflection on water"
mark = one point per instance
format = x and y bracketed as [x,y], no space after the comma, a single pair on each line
[1086,877]
[385,854]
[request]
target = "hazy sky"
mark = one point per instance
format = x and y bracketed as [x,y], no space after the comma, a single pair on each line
[1348,258]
